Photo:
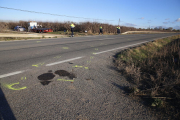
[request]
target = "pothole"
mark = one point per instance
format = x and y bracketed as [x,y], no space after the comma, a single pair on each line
[44,82]
[45,78]
[65,73]
[62,73]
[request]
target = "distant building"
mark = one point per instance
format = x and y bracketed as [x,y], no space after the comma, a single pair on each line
[32,25]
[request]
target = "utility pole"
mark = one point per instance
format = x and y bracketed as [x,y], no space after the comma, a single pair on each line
[119,22]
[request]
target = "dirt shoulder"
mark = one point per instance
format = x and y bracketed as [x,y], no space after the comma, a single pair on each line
[30,35]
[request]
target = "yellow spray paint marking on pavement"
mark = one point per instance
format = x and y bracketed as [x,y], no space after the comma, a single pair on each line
[86,67]
[37,65]
[77,66]
[93,53]
[80,67]
[91,57]
[23,78]
[9,86]
[57,57]
[38,41]
[65,80]
[65,48]
[96,48]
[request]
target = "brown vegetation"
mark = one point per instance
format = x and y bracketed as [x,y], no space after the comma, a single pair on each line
[17,38]
[154,71]
[91,27]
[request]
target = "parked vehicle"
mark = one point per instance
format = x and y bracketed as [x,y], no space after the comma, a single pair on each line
[34,27]
[41,30]
[19,28]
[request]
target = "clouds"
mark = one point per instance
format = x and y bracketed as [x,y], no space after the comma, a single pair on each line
[177,27]
[178,20]
[141,18]
[175,21]
[129,25]
[165,22]
[149,21]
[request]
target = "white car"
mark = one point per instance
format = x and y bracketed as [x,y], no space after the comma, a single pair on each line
[19,28]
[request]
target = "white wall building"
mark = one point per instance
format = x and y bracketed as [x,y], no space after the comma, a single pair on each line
[31,25]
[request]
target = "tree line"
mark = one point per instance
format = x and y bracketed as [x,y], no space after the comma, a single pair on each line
[91,27]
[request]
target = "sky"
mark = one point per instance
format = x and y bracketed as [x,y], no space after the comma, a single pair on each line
[132,13]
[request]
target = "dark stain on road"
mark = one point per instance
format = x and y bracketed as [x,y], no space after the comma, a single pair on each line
[62,73]
[89,79]
[44,82]
[44,78]
[65,73]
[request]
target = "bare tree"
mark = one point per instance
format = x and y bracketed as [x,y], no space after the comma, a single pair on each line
[170,28]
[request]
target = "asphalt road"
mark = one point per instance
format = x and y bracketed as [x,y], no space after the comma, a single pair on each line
[68,78]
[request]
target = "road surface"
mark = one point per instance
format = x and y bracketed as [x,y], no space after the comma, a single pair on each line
[68,79]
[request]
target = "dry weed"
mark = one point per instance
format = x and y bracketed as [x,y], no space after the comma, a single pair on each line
[155,71]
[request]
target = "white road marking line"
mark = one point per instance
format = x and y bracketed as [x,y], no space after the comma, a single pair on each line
[10,74]
[118,48]
[64,61]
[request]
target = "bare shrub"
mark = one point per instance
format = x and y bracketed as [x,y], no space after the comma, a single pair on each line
[92,27]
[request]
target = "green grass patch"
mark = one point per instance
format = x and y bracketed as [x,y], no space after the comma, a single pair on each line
[138,54]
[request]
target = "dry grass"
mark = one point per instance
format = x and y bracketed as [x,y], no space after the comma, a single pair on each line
[17,38]
[154,70]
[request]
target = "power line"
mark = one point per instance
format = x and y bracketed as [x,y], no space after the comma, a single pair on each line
[50,13]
